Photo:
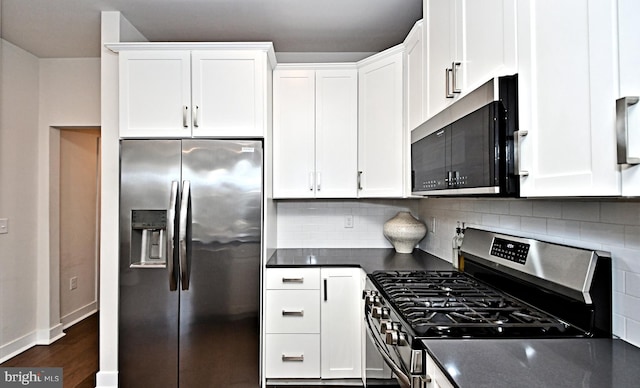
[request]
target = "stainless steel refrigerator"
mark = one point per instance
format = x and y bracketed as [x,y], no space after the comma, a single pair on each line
[190,243]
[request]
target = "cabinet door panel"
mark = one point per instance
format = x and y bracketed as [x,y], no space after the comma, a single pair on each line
[336,133]
[228,93]
[415,72]
[380,137]
[341,323]
[439,52]
[567,110]
[293,134]
[290,311]
[154,94]
[292,356]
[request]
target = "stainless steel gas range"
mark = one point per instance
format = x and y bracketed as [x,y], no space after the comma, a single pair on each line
[508,287]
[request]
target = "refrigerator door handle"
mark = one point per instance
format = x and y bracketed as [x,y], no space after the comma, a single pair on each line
[171,231]
[183,243]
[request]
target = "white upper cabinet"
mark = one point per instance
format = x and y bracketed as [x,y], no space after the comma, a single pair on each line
[171,90]
[567,90]
[415,106]
[228,93]
[381,137]
[467,42]
[155,93]
[315,131]
[629,65]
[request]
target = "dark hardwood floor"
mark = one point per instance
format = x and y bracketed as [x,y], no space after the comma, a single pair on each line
[76,353]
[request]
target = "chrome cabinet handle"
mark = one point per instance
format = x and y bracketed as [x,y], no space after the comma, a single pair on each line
[298,313]
[311,182]
[447,81]
[359,180]
[622,130]
[183,243]
[185,116]
[196,112]
[318,181]
[171,231]
[454,72]
[517,137]
[292,280]
[299,358]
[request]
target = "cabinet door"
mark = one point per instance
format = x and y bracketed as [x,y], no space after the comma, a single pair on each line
[489,34]
[228,93]
[336,133]
[341,323]
[415,71]
[155,94]
[567,67]
[629,59]
[380,136]
[293,133]
[439,16]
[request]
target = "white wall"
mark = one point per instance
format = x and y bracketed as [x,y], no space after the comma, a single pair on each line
[19,156]
[609,225]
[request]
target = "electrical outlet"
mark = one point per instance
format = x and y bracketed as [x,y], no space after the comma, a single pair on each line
[432,225]
[348,221]
[73,283]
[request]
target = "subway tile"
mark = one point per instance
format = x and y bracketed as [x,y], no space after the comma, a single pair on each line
[632,284]
[490,220]
[625,259]
[521,208]
[627,213]
[547,209]
[536,225]
[632,334]
[581,211]
[609,234]
[618,325]
[617,278]
[563,229]
[632,237]
[628,306]
[510,222]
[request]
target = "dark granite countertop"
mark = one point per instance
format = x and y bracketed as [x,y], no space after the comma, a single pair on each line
[558,363]
[369,259]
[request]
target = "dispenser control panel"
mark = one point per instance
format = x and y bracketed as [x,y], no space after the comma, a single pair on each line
[148,219]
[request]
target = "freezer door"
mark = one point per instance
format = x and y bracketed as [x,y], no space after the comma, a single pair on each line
[219,327]
[148,309]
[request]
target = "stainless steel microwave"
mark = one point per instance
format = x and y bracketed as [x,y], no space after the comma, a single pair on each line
[468,149]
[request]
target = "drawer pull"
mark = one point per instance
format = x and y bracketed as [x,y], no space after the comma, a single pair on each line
[286,313]
[292,280]
[299,358]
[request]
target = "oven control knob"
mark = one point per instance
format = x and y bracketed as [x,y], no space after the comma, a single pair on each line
[380,312]
[368,293]
[388,325]
[396,337]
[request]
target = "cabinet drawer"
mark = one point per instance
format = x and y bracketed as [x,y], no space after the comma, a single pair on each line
[292,355]
[293,279]
[293,311]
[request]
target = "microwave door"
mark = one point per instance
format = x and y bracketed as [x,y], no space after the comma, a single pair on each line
[429,162]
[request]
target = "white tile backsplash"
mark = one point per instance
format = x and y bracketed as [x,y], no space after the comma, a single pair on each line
[610,225]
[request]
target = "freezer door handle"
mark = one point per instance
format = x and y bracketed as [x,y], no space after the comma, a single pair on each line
[183,239]
[171,231]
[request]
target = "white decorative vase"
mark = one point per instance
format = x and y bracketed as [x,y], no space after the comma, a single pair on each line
[404,232]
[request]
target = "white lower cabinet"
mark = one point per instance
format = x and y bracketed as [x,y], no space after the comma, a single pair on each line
[437,377]
[313,323]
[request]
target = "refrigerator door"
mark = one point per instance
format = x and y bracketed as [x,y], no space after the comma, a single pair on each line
[219,327]
[148,312]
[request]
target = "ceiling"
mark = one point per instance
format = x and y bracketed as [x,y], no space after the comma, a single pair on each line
[71,28]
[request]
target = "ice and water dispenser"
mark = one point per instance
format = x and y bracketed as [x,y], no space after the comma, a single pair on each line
[148,238]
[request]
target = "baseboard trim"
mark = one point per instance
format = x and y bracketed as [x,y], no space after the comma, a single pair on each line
[78,315]
[106,379]
[17,346]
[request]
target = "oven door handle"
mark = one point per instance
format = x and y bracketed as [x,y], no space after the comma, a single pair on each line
[402,378]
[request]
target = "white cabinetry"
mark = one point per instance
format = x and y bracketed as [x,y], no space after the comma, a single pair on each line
[468,42]
[341,322]
[381,137]
[292,323]
[313,323]
[629,65]
[170,90]
[415,106]
[567,91]
[436,375]
[315,131]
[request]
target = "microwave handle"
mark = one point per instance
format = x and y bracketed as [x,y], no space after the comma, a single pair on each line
[517,136]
